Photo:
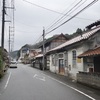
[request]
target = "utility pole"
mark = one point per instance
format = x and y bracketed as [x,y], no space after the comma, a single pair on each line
[43,49]
[3,24]
[9,39]
[13,24]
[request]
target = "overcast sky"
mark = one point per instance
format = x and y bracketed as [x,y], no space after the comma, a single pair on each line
[30,19]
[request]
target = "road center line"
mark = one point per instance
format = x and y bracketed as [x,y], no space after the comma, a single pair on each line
[70,87]
[7,81]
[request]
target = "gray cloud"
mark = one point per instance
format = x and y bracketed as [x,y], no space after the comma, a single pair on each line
[29,19]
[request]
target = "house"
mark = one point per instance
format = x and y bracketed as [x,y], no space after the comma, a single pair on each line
[49,44]
[38,61]
[70,57]
[91,60]
[28,52]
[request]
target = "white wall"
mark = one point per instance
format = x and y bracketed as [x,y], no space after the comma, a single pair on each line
[52,68]
[79,65]
[68,70]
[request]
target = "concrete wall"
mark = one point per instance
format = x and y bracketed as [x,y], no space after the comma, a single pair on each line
[79,64]
[91,79]
[52,67]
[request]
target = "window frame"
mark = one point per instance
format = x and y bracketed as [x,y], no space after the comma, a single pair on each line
[74,58]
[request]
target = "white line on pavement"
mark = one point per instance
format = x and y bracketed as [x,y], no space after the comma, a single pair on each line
[35,75]
[70,87]
[42,78]
[7,81]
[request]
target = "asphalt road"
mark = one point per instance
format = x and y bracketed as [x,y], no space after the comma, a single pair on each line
[26,83]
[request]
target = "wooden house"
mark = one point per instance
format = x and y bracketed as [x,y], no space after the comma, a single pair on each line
[49,44]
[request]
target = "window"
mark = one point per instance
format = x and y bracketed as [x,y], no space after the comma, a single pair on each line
[74,58]
[53,60]
[66,59]
[61,55]
[56,59]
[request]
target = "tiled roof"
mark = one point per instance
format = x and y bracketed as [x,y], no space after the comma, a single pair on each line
[52,38]
[92,52]
[93,24]
[77,39]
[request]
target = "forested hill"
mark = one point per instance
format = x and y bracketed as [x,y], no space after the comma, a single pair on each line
[14,54]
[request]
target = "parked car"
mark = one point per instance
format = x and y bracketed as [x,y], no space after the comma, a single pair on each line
[13,64]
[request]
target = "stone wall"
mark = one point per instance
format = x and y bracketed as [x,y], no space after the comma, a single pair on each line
[90,79]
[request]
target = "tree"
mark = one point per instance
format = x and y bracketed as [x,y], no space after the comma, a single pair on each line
[79,31]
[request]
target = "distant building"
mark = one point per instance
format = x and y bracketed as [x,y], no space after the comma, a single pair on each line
[27,53]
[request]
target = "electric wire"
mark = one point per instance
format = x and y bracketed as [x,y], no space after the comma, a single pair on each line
[76,6]
[52,10]
[17,21]
[69,15]
[56,11]
[63,14]
[42,7]
[71,8]
[90,4]
[38,40]
[23,31]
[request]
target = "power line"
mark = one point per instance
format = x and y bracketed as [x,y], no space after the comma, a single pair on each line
[39,39]
[20,22]
[42,7]
[23,31]
[23,24]
[76,5]
[68,15]
[53,10]
[63,17]
[65,14]
[90,4]
[62,12]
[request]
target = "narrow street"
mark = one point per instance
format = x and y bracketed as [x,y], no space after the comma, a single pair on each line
[26,83]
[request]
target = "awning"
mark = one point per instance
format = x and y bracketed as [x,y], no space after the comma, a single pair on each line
[39,56]
[93,52]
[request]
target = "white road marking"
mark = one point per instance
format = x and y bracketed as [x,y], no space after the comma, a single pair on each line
[42,78]
[35,75]
[70,87]
[7,81]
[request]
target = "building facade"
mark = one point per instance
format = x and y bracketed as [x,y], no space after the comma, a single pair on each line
[51,43]
[66,59]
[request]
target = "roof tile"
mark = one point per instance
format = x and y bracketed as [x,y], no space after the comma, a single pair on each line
[92,52]
[77,39]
